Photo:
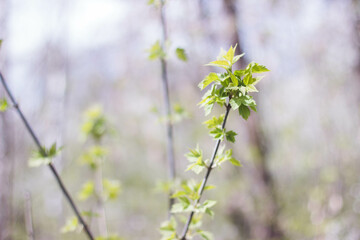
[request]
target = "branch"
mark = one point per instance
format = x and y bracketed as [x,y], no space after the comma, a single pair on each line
[169,125]
[51,166]
[28,216]
[206,177]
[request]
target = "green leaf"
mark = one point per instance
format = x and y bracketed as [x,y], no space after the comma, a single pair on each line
[181,54]
[3,105]
[112,189]
[156,51]
[205,235]
[214,122]
[251,88]
[86,191]
[71,225]
[168,229]
[257,68]
[220,63]
[209,187]
[194,154]
[212,77]
[230,136]
[95,124]
[235,162]
[236,58]
[248,79]
[217,133]
[179,194]
[43,157]
[244,111]
[209,203]
[235,103]
[234,79]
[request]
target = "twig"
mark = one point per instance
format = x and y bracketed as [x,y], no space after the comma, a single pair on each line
[206,177]
[51,166]
[28,216]
[169,125]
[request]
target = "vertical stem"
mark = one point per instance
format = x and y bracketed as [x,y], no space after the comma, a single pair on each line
[28,216]
[51,166]
[169,126]
[99,190]
[206,177]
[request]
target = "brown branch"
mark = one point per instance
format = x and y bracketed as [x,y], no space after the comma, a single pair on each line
[206,177]
[43,153]
[169,125]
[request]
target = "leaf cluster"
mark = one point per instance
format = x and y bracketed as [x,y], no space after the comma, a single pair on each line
[232,85]
[44,156]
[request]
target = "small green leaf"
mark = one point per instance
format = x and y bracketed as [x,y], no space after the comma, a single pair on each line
[86,191]
[244,111]
[214,122]
[205,235]
[209,187]
[44,156]
[235,103]
[71,225]
[257,68]
[217,133]
[112,189]
[230,136]
[156,51]
[219,63]
[235,162]
[234,79]
[3,105]
[181,54]
[236,58]
[212,77]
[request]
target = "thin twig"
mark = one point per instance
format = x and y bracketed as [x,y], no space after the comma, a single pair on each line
[169,125]
[99,191]
[42,151]
[206,177]
[28,216]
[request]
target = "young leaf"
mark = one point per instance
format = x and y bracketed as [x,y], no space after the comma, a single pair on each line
[214,122]
[230,136]
[257,68]
[112,189]
[156,51]
[86,191]
[220,63]
[212,77]
[43,157]
[181,54]
[205,235]
[3,105]
[71,225]
[235,162]
[244,111]
[217,133]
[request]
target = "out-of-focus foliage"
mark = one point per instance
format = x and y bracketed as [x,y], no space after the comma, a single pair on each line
[3,105]
[44,156]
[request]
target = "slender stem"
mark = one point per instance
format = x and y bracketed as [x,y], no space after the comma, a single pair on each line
[206,177]
[99,190]
[42,151]
[169,125]
[28,216]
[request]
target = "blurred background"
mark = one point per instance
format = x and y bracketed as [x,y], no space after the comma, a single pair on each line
[300,152]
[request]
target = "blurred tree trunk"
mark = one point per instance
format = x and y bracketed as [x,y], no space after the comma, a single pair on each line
[268,223]
[6,145]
